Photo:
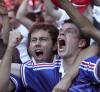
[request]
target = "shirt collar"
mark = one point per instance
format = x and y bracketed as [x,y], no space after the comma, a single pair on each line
[61,70]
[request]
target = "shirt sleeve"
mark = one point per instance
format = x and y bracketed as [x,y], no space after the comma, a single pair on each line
[22,47]
[90,67]
[17,82]
[64,17]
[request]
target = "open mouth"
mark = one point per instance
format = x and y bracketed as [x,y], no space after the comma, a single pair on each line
[39,53]
[61,44]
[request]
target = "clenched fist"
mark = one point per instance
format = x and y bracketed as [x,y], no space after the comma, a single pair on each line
[14,38]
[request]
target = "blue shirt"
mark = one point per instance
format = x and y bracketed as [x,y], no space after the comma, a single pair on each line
[43,77]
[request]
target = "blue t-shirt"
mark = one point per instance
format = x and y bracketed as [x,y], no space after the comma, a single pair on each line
[43,77]
[17,82]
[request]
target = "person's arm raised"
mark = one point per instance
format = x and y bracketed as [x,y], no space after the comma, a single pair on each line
[5,26]
[5,65]
[23,9]
[51,11]
[85,25]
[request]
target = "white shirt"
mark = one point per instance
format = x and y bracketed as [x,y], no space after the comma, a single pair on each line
[96,13]
[22,47]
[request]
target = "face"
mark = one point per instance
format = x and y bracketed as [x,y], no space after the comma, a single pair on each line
[41,46]
[12,18]
[68,40]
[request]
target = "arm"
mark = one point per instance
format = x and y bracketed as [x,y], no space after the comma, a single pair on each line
[5,25]
[85,25]
[66,81]
[5,65]
[5,29]
[51,11]
[96,2]
[88,29]
[21,14]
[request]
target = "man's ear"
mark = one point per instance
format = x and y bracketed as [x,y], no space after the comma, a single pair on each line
[82,43]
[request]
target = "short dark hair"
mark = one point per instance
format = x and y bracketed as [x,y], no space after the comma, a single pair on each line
[81,34]
[50,28]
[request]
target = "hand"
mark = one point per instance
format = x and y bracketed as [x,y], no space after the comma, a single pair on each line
[3,10]
[66,81]
[14,38]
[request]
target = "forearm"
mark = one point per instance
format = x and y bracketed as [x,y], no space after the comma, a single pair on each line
[66,81]
[72,71]
[85,25]
[5,65]
[48,6]
[5,69]
[5,29]
[51,11]
[21,14]
[22,9]
[96,2]
[75,16]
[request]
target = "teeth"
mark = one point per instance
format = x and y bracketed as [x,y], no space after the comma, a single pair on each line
[62,49]
[37,50]
[39,53]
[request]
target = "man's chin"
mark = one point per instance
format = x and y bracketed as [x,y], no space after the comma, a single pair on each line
[40,60]
[62,54]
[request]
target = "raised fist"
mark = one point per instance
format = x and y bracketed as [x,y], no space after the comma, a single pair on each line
[14,38]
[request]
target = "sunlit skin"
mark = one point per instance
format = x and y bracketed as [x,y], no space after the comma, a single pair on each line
[41,46]
[12,20]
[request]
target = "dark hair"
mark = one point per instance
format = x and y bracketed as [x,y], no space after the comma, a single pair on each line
[82,36]
[31,16]
[50,28]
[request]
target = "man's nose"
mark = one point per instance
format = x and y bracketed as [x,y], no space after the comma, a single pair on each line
[61,33]
[38,43]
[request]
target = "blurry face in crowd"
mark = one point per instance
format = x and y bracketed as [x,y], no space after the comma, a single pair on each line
[12,18]
[68,40]
[41,46]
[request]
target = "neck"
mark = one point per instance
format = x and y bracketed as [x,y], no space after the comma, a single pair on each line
[69,61]
[43,61]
